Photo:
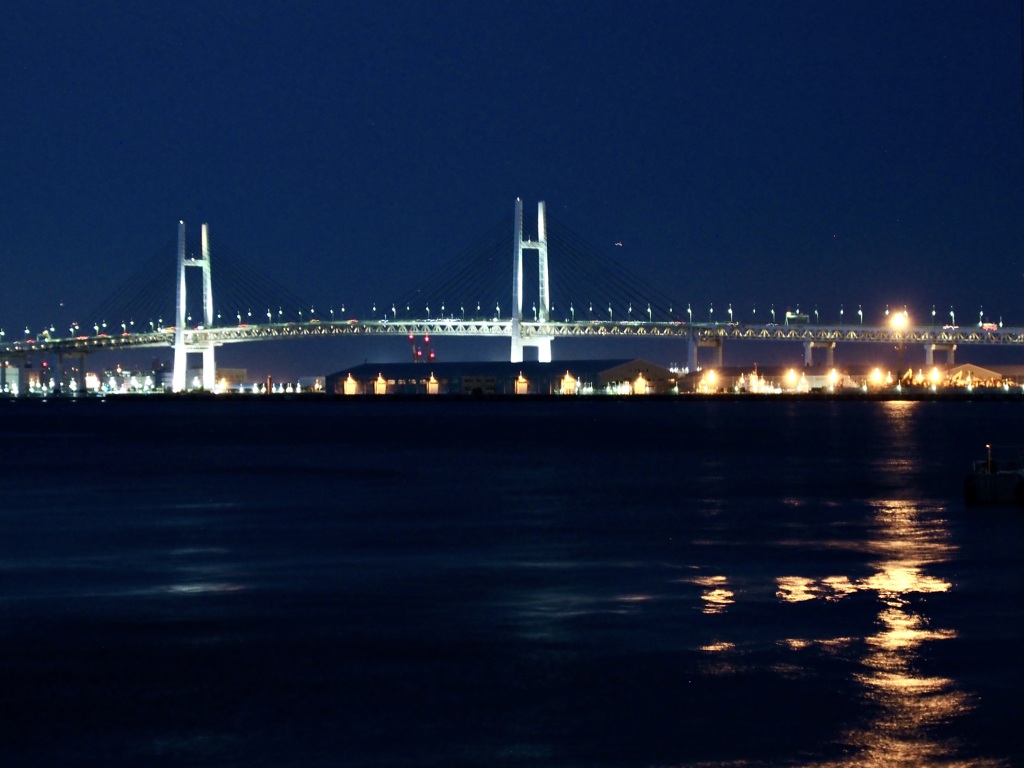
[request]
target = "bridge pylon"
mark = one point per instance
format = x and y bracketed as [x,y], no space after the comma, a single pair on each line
[542,343]
[180,373]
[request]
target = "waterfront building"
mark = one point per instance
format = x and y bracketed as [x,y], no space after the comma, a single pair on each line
[626,376]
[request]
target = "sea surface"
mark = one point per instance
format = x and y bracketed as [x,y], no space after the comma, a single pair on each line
[588,582]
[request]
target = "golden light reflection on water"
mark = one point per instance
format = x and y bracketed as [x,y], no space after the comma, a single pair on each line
[907,703]
[716,598]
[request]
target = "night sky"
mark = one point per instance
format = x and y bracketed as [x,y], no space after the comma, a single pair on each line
[748,152]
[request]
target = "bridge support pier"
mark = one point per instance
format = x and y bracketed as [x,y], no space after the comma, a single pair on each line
[931,349]
[828,346]
[180,373]
[694,343]
[9,377]
[543,346]
[77,373]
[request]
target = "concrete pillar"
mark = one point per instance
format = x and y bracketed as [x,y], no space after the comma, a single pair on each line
[931,349]
[828,346]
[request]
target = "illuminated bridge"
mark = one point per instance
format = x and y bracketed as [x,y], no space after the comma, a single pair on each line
[466,298]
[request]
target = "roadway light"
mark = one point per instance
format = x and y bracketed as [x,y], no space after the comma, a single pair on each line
[840,314]
[773,314]
[730,313]
[899,320]
[952,317]
[933,314]
[815,314]
[860,313]
[689,312]
[711,313]
[981,315]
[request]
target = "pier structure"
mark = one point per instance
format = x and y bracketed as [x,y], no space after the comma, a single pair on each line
[538,339]
[206,347]
[828,346]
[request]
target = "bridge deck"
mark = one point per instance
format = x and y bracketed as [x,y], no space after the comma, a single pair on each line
[199,338]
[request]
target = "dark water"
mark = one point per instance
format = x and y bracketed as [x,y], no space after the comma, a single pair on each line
[592,583]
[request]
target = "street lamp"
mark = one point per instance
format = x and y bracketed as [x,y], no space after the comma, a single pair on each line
[730,312]
[860,313]
[840,314]
[689,313]
[952,317]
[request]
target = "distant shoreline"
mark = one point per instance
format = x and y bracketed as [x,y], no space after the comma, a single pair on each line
[985,394]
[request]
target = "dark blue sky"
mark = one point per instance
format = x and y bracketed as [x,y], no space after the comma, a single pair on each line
[747,152]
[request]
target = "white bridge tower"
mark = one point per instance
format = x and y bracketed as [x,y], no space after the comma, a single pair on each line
[179,383]
[542,343]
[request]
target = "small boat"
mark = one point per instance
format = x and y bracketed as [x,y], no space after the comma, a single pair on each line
[993,482]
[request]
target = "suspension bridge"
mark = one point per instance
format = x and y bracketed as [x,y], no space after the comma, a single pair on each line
[594,297]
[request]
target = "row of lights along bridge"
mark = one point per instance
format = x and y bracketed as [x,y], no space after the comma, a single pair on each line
[900,317]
